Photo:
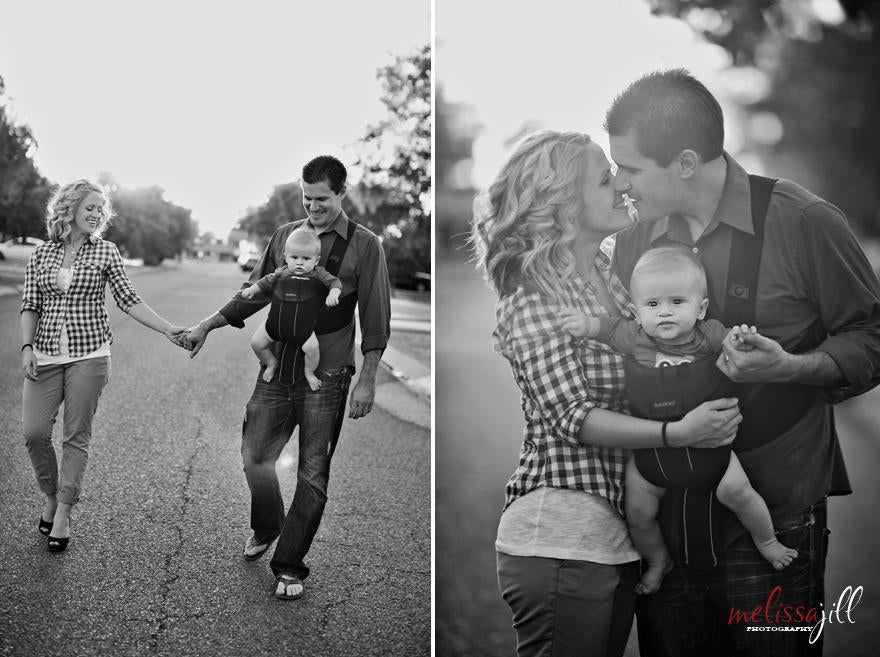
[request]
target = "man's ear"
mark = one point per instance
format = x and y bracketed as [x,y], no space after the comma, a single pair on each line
[688,162]
[704,304]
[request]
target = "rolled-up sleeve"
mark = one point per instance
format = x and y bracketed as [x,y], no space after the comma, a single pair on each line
[847,294]
[120,284]
[549,370]
[374,297]
[31,299]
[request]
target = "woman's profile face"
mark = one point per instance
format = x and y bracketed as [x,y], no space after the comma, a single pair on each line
[601,217]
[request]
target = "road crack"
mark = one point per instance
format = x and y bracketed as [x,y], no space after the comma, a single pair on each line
[171,563]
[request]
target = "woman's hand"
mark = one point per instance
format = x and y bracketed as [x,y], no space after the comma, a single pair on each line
[29,364]
[177,335]
[711,424]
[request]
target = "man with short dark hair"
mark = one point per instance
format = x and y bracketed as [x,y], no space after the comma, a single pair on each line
[355,256]
[783,259]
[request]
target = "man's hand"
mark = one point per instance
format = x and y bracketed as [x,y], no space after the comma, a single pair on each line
[749,357]
[195,338]
[362,396]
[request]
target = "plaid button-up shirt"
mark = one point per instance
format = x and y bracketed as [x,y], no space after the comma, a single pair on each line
[562,379]
[82,308]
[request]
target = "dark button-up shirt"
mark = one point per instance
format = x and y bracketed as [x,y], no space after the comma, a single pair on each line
[82,308]
[812,268]
[363,272]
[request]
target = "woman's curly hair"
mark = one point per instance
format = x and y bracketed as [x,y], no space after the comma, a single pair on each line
[524,234]
[62,208]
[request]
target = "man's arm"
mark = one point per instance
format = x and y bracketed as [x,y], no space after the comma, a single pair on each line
[844,288]
[240,308]
[374,310]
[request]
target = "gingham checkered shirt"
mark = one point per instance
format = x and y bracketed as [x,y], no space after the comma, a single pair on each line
[562,379]
[83,307]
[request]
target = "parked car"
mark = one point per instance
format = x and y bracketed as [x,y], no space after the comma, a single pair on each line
[19,249]
[248,260]
[419,281]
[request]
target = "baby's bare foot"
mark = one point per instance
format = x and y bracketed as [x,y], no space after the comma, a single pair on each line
[313,381]
[653,577]
[776,553]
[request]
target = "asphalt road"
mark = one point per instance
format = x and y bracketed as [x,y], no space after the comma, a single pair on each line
[154,566]
[477,438]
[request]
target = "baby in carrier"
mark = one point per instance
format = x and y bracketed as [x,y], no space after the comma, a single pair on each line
[298,293]
[669,295]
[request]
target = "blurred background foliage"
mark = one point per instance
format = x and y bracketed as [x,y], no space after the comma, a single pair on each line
[804,80]
[813,122]
[392,196]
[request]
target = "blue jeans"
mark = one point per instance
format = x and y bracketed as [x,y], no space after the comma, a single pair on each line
[693,612]
[273,412]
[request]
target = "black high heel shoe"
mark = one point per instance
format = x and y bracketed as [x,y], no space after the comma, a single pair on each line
[58,544]
[45,527]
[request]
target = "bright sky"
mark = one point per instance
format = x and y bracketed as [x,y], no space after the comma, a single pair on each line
[215,102]
[558,62]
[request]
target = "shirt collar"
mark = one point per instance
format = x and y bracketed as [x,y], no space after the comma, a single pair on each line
[340,224]
[734,207]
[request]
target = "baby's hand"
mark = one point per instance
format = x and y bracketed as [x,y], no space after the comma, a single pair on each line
[249,292]
[576,323]
[736,337]
[333,297]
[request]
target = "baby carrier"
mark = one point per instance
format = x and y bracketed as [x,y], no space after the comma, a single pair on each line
[690,512]
[292,323]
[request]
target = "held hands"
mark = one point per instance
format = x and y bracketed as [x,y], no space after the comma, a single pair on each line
[29,364]
[177,335]
[749,357]
[333,297]
[578,324]
[195,339]
[711,424]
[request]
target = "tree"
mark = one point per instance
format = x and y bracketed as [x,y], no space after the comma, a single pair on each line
[814,125]
[23,191]
[147,225]
[395,156]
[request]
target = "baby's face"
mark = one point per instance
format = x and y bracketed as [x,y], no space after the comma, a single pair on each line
[300,259]
[668,305]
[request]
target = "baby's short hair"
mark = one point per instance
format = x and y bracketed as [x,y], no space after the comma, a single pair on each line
[303,237]
[665,258]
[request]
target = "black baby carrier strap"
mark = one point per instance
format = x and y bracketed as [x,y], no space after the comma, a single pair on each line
[338,317]
[330,319]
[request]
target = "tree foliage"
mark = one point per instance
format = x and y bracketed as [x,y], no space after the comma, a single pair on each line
[395,155]
[824,89]
[147,225]
[23,191]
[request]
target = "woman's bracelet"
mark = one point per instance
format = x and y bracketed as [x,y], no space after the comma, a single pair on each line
[26,346]
[663,434]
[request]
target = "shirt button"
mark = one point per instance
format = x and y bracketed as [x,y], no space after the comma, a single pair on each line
[695,250]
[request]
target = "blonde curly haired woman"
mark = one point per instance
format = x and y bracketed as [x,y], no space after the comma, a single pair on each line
[566,566]
[65,354]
